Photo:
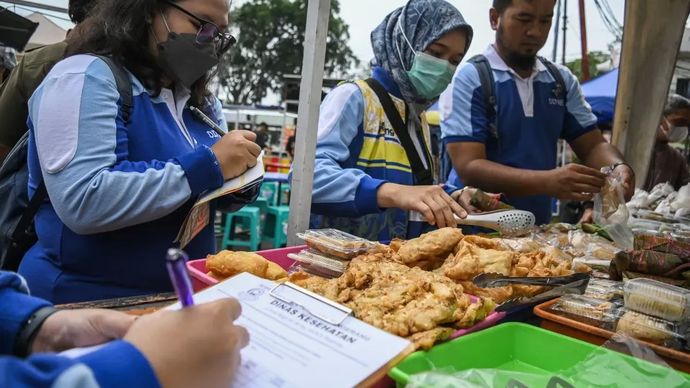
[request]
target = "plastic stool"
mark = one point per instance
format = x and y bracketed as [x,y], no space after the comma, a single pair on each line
[252,216]
[276,225]
[269,192]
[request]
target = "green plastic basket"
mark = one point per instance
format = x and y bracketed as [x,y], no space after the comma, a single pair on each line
[529,349]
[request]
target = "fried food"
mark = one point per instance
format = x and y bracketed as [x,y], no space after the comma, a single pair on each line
[477,255]
[426,339]
[497,294]
[225,264]
[430,248]
[275,272]
[471,260]
[401,300]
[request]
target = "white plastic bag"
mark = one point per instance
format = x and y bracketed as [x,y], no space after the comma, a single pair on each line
[611,213]
[682,200]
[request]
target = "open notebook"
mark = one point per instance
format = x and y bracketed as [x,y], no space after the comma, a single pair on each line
[199,216]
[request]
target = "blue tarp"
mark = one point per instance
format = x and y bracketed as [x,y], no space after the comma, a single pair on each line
[600,93]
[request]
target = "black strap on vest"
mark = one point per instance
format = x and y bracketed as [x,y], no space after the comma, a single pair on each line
[124,87]
[423,176]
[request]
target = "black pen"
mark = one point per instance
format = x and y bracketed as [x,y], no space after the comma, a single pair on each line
[198,113]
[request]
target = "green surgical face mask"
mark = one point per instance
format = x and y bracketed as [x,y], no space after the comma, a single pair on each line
[429,75]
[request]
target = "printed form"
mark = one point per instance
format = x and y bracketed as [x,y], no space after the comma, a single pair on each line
[290,347]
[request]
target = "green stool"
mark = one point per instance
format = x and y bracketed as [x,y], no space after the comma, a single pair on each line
[275,227]
[250,217]
[269,192]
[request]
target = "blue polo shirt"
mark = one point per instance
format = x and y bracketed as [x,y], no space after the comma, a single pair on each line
[530,119]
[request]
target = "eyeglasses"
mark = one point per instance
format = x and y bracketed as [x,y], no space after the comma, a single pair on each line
[208,31]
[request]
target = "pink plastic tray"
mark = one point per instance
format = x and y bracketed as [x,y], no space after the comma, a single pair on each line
[197,269]
[200,280]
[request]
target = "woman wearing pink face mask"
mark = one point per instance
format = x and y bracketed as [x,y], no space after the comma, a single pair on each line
[668,164]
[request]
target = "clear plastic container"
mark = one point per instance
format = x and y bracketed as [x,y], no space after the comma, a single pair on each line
[336,243]
[604,290]
[652,329]
[315,263]
[592,311]
[657,299]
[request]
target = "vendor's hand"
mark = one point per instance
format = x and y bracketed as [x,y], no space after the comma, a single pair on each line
[627,176]
[587,217]
[197,346]
[574,182]
[464,197]
[432,202]
[68,329]
[236,152]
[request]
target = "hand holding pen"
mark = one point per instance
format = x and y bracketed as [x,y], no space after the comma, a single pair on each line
[197,346]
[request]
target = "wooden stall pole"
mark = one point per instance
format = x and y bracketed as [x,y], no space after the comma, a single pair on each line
[651,39]
[318,13]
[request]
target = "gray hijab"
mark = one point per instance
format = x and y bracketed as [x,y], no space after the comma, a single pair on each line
[423,22]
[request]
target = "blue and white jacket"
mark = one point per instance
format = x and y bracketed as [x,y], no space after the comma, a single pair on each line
[357,151]
[118,194]
[118,364]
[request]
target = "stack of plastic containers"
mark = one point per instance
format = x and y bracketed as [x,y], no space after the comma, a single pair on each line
[330,251]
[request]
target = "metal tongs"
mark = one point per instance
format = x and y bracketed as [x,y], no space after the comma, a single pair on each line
[491,280]
[571,284]
[507,222]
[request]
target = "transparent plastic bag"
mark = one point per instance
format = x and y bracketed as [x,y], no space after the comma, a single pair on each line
[611,213]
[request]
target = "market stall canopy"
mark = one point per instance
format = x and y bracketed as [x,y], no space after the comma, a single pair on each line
[600,93]
[47,32]
[15,30]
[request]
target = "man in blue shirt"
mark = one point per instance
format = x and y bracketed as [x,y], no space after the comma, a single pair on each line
[515,150]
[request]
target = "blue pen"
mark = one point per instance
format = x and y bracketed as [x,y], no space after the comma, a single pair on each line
[176,261]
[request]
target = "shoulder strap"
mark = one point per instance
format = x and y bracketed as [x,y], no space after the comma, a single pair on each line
[556,74]
[488,84]
[423,175]
[124,85]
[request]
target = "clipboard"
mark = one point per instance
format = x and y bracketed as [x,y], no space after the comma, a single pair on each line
[322,308]
[302,339]
[335,314]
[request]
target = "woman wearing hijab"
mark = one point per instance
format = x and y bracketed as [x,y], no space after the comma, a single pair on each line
[373,161]
[119,188]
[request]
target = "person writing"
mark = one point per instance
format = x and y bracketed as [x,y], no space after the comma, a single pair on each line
[373,161]
[139,352]
[120,187]
[508,143]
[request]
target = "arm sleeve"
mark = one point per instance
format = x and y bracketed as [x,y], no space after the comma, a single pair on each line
[118,364]
[82,148]
[579,118]
[16,306]
[463,110]
[340,188]
[13,109]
